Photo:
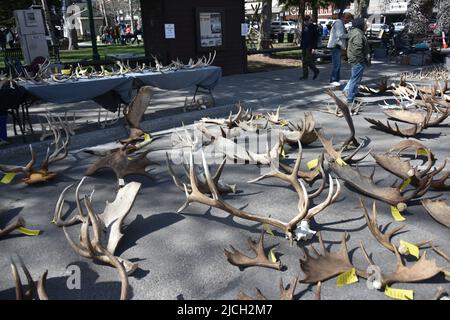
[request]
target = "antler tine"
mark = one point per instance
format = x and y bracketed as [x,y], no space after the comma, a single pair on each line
[330,199]
[323,183]
[31,285]
[219,171]
[83,252]
[211,184]
[176,180]
[303,205]
[41,288]
[17,281]
[365,254]
[77,197]
[29,166]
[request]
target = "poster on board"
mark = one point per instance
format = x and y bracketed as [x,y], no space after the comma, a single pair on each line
[210,29]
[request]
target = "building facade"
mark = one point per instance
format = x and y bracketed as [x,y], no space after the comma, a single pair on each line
[193,28]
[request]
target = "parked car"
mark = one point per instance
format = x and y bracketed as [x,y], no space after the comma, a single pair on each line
[283,26]
[399,26]
[375,29]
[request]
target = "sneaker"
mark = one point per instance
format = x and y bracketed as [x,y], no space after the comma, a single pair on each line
[335,84]
[316,74]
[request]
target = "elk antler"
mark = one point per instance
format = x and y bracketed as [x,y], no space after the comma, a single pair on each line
[402,132]
[308,176]
[260,260]
[303,131]
[112,219]
[223,188]
[439,210]
[196,196]
[385,238]
[382,87]
[365,185]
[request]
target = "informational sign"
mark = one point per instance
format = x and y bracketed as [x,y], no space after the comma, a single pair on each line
[398,6]
[211,29]
[169,30]
[244,29]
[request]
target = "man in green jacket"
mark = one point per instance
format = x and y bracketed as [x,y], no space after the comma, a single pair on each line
[358,53]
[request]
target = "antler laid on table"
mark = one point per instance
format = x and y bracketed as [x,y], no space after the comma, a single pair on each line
[235,257]
[304,213]
[19,222]
[402,132]
[58,153]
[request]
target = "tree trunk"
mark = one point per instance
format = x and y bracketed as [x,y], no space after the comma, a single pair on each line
[417,17]
[361,7]
[266,19]
[48,21]
[73,39]
[315,11]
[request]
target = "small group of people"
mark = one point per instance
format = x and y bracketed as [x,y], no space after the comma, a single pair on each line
[120,34]
[354,41]
[7,37]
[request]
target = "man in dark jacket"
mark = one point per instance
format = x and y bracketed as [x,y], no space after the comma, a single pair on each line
[309,43]
[358,54]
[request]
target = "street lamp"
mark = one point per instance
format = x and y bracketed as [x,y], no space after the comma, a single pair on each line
[95,55]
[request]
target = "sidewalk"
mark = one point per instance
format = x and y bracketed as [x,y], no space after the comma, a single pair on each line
[264,89]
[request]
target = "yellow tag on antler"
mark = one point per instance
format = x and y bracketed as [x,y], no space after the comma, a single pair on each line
[405,184]
[272,255]
[258,117]
[284,122]
[422,152]
[147,137]
[28,232]
[312,164]
[268,229]
[347,277]
[396,214]
[412,249]
[281,152]
[8,177]
[341,162]
[400,294]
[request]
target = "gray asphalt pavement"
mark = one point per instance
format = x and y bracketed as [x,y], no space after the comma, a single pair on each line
[181,256]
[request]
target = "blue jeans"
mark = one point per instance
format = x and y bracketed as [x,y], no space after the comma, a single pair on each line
[336,68]
[3,119]
[352,85]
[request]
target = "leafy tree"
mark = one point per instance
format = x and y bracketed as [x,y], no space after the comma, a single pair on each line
[7,8]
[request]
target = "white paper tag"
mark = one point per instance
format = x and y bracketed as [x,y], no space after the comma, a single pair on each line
[121,182]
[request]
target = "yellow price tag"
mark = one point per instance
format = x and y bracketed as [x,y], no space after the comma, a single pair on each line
[341,162]
[347,277]
[396,214]
[284,122]
[400,294]
[412,249]
[130,159]
[8,177]
[272,256]
[422,152]
[312,164]
[405,184]
[147,137]
[28,232]
[268,229]
[258,117]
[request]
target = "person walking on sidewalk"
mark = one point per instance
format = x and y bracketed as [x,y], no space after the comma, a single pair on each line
[308,44]
[358,53]
[337,42]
